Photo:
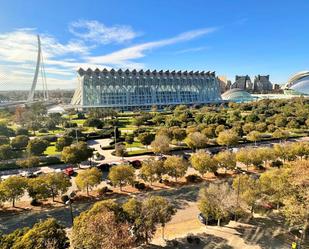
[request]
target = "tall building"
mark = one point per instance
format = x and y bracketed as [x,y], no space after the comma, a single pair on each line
[243,83]
[262,84]
[129,90]
[224,83]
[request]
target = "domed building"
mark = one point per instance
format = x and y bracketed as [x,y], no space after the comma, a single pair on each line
[298,84]
[237,95]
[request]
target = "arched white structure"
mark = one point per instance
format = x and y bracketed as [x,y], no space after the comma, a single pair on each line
[36,74]
[39,66]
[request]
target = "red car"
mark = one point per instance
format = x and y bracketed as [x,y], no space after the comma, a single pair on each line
[68,171]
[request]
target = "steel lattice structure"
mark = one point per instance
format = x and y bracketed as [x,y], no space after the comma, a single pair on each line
[128,90]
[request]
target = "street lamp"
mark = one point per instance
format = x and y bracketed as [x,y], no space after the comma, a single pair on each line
[69,202]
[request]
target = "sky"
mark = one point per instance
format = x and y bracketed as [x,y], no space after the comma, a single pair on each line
[231,37]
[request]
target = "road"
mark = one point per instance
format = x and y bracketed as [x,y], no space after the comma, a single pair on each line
[109,158]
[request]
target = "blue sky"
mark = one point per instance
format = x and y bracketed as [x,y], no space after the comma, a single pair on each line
[229,37]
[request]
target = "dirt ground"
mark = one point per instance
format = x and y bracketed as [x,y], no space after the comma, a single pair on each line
[261,233]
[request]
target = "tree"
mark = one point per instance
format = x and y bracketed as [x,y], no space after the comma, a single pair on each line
[129,138]
[226,160]
[203,162]
[88,179]
[227,138]
[175,166]
[120,150]
[146,138]
[30,162]
[161,144]
[266,154]
[7,241]
[121,175]
[158,211]
[275,185]
[14,188]
[209,131]
[63,142]
[5,152]
[243,156]
[218,201]
[179,134]
[20,142]
[151,170]
[76,153]
[285,151]
[248,190]
[100,228]
[296,203]
[93,122]
[196,140]
[45,234]
[254,136]
[219,129]
[36,146]
[37,188]
[146,215]
[248,127]
[301,149]
[4,140]
[280,134]
[57,183]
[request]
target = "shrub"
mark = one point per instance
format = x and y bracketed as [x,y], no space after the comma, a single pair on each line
[50,138]
[43,130]
[276,163]
[139,185]
[35,203]
[65,198]
[104,190]
[193,179]
[50,160]
[22,131]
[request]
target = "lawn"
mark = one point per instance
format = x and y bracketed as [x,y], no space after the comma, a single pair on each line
[51,150]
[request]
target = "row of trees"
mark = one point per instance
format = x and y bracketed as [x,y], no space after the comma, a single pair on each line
[110,225]
[286,188]
[175,166]
[39,188]
[107,225]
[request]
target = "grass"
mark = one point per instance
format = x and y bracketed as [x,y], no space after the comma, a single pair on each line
[51,150]
[134,144]
[139,152]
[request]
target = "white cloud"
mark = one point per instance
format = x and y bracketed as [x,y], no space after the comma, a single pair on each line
[18,52]
[190,50]
[123,56]
[91,30]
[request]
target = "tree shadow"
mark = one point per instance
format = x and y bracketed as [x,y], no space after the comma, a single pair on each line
[199,241]
[267,232]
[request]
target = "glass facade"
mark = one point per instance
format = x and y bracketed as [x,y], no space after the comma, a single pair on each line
[143,89]
[237,95]
[298,84]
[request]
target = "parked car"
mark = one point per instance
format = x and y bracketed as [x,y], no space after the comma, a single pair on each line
[25,174]
[201,218]
[68,171]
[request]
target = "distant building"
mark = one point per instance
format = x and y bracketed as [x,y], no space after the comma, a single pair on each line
[262,84]
[237,95]
[298,84]
[128,90]
[224,83]
[243,83]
